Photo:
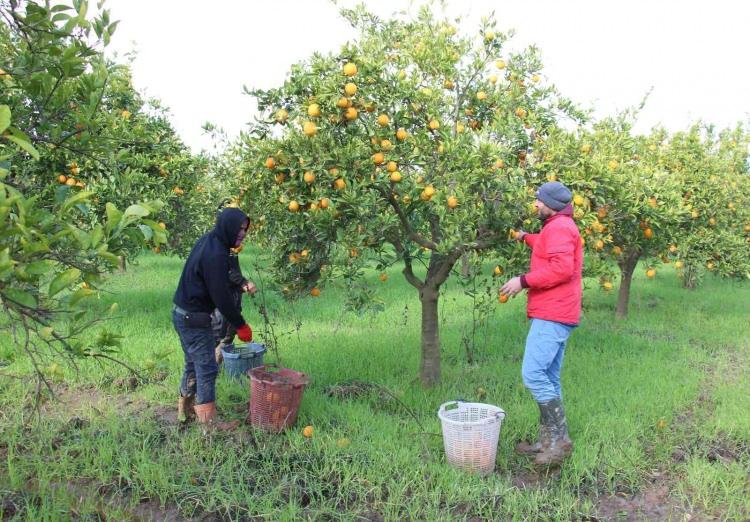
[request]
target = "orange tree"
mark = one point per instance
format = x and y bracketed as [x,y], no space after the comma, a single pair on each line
[713,169]
[627,204]
[60,137]
[413,145]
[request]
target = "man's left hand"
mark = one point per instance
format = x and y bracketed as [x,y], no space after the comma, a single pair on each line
[512,287]
[249,287]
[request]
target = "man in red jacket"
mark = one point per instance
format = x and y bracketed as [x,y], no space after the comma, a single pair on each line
[554,307]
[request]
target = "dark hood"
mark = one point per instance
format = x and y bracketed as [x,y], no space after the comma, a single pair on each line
[228,225]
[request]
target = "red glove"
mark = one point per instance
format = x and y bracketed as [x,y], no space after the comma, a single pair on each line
[245,333]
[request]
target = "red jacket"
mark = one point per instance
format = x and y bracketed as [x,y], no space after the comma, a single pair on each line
[554,279]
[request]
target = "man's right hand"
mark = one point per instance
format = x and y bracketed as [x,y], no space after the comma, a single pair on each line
[245,333]
[519,235]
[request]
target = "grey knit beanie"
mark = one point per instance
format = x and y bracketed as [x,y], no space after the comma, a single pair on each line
[555,195]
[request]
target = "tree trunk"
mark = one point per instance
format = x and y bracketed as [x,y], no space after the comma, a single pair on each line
[122,263]
[690,277]
[465,265]
[627,267]
[429,368]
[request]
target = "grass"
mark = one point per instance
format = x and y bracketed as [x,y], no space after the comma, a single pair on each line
[666,390]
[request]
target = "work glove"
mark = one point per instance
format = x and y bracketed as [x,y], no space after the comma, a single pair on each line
[245,333]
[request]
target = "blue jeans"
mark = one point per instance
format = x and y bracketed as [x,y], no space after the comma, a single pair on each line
[199,377]
[543,358]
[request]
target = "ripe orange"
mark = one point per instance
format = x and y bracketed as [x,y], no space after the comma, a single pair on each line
[502,298]
[679,264]
[434,125]
[613,164]
[351,114]
[607,285]
[535,78]
[498,271]
[652,202]
[650,273]
[601,213]
[712,221]
[452,202]
[429,190]
[493,78]
[378,158]
[315,292]
[309,128]
[617,250]
[521,112]
[162,225]
[383,120]
[70,182]
[62,178]
[710,265]
[648,233]
[324,203]
[350,88]
[293,206]
[578,200]
[353,252]
[586,148]
[500,164]
[343,103]
[599,245]
[339,184]
[383,277]
[500,64]
[391,166]
[313,110]
[395,177]
[270,163]
[350,69]
[309,177]
[282,115]
[401,134]
[481,96]
[386,145]
[448,84]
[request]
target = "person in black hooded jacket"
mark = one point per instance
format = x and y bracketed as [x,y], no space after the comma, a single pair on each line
[204,286]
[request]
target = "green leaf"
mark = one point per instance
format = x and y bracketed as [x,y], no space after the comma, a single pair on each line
[136,210]
[25,145]
[63,280]
[148,233]
[20,297]
[113,217]
[4,117]
[81,293]
[109,257]
[74,199]
[96,235]
[39,267]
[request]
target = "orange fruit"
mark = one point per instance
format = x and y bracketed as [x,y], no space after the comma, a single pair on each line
[351,114]
[395,177]
[62,178]
[599,245]
[712,221]
[391,166]
[282,115]
[293,206]
[429,190]
[162,225]
[434,125]
[617,250]
[313,110]
[350,69]
[586,148]
[353,252]
[500,164]
[70,182]
[452,202]
[448,84]
[612,164]
[315,292]
[679,264]
[578,200]
[652,202]
[498,271]
[650,273]
[309,128]
[309,177]
[521,112]
[324,203]
[270,163]
[500,64]
[383,120]
[280,177]
[386,145]
[648,233]
[350,88]
[339,184]
[383,277]
[481,96]
[378,158]
[607,285]
[502,298]
[535,78]
[401,134]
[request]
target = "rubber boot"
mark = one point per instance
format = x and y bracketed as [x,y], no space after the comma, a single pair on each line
[528,448]
[185,411]
[560,446]
[206,414]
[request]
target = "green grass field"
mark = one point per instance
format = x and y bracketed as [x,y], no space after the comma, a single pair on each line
[658,407]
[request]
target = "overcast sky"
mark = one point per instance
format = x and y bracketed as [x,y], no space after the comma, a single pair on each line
[196,55]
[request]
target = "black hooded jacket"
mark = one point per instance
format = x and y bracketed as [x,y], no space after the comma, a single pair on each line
[204,283]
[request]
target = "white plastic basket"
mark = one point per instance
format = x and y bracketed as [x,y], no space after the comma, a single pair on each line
[470,434]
